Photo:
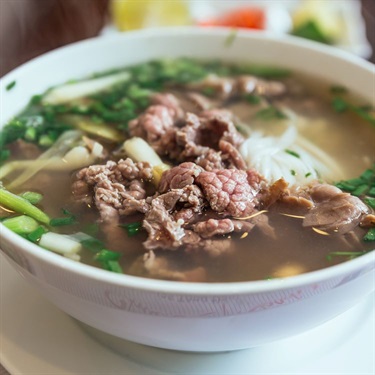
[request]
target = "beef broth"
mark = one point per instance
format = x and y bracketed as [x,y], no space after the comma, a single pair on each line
[203,213]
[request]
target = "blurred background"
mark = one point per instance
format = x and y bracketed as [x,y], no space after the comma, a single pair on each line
[29,28]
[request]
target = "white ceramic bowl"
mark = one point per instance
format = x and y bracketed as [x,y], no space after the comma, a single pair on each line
[185,316]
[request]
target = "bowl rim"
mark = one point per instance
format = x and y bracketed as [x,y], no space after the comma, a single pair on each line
[177,287]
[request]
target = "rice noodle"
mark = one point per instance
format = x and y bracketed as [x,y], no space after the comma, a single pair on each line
[289,156]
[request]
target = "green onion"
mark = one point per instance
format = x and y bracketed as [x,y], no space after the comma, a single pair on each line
[4,155]
[370,235]
[370,202]
[372,192]
[293,153]
[339,105]
[253,99]
[70,219]
[21,224]
[270,113]
[31,134]
[105,255]
[293,172]
[21,205]
[10,85]
[308,174]
[32,197]
[93,244]
[132,228]
[35,235]
[360,190]
[114,266]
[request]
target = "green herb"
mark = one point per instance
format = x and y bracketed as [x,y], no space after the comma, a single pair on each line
[21,205]
[21,224]
[114,266]
[230,38]
[208,91]
[310,30]
[308,174]
[362,185]
[32,197]
[293,153]
[36,234]
[105,255]
[10,85]
[370,236]
[4,155]
[370,202]
[253,99]
[263,71]
[93,244]
[339,105]
[270,113]
[70,219]
[132,228]
[366,112]
[293,172]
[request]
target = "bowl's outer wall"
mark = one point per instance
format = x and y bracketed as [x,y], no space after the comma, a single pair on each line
[187,320]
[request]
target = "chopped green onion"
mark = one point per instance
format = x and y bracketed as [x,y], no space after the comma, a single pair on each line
[10,85]
[114,266]
[132,228]
[370,235]
[293,172]
[308,174]
[32,197]
[21,224]
[70,219]
[368,175]
[293,153]
[21,205]
[45,140]
[59,243]
[270,113]
[370,202]
[339,105]
[372,192]
[360,190]
[105,255]
[93,244]
[4,155]
[253,99]
[35,235]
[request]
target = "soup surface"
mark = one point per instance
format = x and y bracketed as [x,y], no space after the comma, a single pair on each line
[193,171]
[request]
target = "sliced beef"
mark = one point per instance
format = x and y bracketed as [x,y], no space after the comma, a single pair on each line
[228,192]
[334,211]
[171,102]
[117,188]
[215,227]
[156,126]
[179,177]
[201,102]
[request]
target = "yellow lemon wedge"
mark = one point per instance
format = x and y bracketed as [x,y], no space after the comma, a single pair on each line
[136,14]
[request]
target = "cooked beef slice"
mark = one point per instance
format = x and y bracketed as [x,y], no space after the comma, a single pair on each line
[214,227]
[229,192]
[180,176]
[333,210]
[118,188]
[171,102]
